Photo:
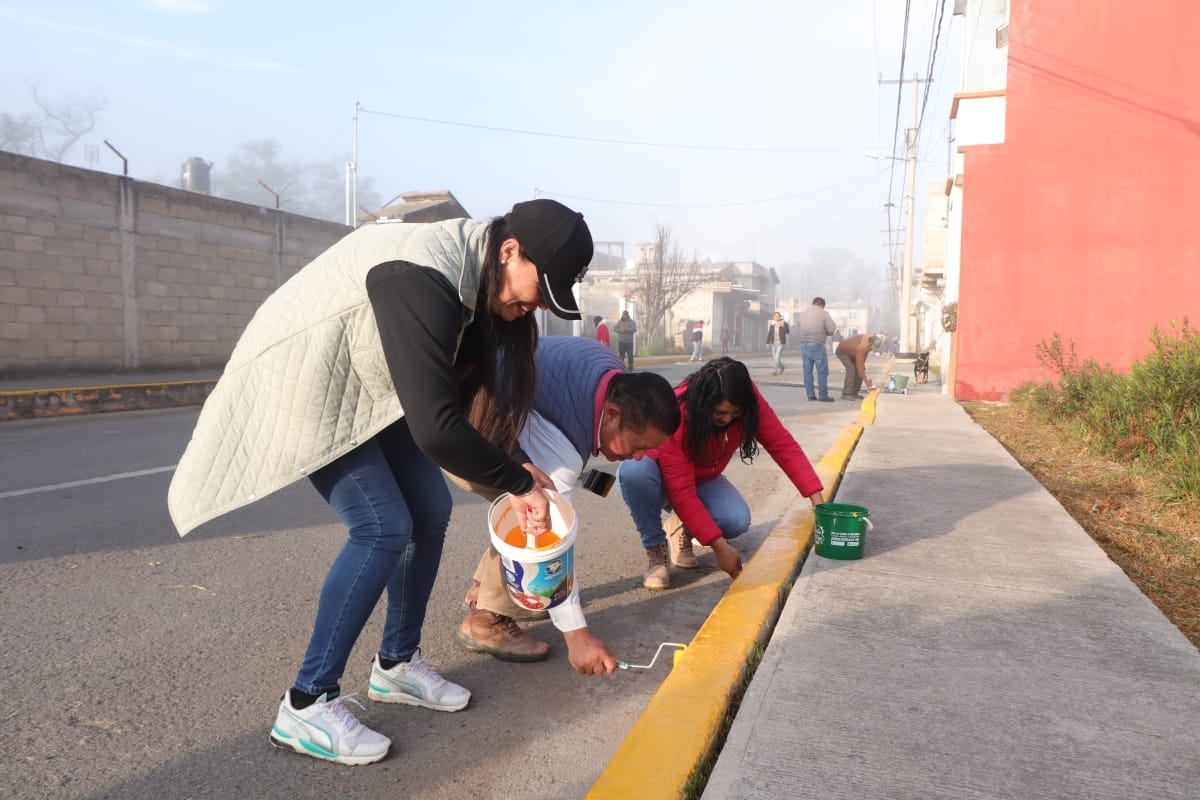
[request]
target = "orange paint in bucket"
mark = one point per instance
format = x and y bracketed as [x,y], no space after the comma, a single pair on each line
[516,538]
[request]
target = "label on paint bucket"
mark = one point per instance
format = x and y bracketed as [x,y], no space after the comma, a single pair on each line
[540,585]
[839,530]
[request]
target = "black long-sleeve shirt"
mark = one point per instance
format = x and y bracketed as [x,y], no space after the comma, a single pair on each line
[420,317]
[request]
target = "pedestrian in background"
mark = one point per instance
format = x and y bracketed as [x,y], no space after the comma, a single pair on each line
[602,331]
[356,373]
[724,339]
[698,342]
[777,333]
[723,414]
[813,327]
[852,352]
[626,331]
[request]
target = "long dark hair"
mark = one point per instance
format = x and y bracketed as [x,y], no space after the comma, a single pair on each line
[719,380]
[497,401]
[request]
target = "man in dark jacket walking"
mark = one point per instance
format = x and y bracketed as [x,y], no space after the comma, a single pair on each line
[626,329]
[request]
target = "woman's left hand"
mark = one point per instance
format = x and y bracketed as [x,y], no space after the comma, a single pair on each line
[542,480]
[728,558]
[533,511]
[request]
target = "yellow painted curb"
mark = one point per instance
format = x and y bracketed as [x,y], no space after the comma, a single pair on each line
[678,730]
[57,402]
[105,387]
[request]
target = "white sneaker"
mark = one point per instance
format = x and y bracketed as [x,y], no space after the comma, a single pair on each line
[416,684]
[327,730]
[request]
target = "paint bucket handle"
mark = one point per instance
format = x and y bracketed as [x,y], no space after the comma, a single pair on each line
[867,520]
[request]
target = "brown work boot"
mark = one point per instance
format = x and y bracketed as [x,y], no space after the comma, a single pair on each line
[657,574]
[679,542]
[472,596]
[485,632]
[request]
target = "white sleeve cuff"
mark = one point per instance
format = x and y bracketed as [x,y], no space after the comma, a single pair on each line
[568,616]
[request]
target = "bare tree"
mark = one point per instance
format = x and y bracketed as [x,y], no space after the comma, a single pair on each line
[53,131]
[316,189]
[662,281]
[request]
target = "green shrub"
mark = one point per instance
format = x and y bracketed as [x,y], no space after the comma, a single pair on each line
[1041,398]
[1150,416]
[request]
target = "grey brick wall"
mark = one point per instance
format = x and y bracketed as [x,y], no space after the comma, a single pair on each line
[99,272]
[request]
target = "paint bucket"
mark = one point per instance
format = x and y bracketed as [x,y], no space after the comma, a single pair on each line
[898,383]
[540,577]
[840,530]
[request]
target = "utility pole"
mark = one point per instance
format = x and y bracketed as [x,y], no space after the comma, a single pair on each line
[907,326]
[352,176]
[906,319]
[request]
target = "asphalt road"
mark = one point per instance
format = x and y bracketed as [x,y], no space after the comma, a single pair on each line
[140,665]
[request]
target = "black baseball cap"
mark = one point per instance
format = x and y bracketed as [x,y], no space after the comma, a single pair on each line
[558,242]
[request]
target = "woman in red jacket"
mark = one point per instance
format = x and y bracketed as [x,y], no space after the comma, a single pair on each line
[723,414]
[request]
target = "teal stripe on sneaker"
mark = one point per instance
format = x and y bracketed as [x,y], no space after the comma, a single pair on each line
[307,745]
[410,689]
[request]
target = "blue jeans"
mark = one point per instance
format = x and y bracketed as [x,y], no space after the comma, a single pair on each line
[396,505]
[815,355]
[645,496]
[777,356]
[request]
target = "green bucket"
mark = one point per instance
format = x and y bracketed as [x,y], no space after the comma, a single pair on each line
[840,530]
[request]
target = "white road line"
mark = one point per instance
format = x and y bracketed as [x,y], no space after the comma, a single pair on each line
[71,484]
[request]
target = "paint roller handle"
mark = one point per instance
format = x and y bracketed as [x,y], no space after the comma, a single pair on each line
[627,665]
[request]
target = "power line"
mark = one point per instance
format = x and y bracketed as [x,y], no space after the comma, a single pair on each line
[899,97]
[598,140]
[544,192]
[936,36]
[313,160]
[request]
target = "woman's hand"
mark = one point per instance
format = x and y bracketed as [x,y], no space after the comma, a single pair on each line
[533,511]
[728,558]
[588,655]
[816,498]
[541,479]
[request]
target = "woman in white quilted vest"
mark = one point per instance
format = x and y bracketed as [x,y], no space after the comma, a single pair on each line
[357,373]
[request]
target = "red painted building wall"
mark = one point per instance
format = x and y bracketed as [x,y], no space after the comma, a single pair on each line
[1086,221]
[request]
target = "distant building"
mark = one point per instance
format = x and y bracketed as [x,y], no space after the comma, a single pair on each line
[851,318]
[1071,197]
[420,207]
[740,294]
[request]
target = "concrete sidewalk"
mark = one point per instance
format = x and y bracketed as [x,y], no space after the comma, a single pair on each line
[984,647]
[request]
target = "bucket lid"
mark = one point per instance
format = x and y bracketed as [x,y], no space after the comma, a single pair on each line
[842,510]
